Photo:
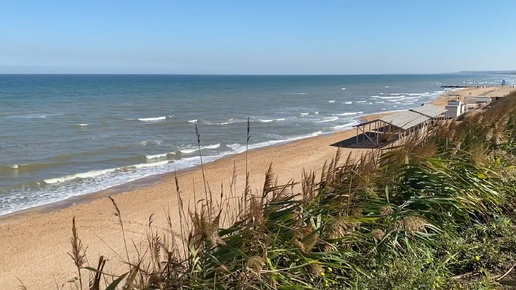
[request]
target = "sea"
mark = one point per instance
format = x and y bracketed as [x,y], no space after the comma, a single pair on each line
[64,136]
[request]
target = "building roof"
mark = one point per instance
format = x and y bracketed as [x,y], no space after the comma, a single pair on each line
[429,110]
[474,100]
[405,120]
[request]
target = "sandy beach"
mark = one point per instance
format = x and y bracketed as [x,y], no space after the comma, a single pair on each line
[34,244]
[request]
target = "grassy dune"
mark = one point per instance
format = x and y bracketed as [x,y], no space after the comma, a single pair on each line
[432,214]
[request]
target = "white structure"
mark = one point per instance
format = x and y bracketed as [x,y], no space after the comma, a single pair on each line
[454,109]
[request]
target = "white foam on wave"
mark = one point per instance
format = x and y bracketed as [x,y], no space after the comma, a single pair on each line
[361,101]
[144,165]
[389,97]
[343,89]
[331,101]
[193,121]
[192,150]
[348,102]
[270,120]
[304,114]
[17,166]
[344,126]
[156,156]
[83,175]
[214,146]
[82,125]
[154,119]
[349,113]
[188,151]
[227,122]
[93,174]
[328,119]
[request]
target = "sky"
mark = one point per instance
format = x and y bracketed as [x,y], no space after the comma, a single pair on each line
[256,37]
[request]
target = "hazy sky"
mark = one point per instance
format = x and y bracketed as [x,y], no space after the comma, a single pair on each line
[256,37]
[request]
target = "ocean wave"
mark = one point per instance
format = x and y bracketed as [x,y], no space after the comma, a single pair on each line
[348,102]
[190,150]
[82,125]
[83,175]
[156,156]
[331,101]
[226,122]
[92,174]
[150,142]
[389,97]
[35,116]
[270,120]
[349,113]
[361,101]
[344,126]
[193,121]
[304,114]
[343,89]
[328,119]
[154,119]
[144,165]
[214,146]
[297,93]
[29,167]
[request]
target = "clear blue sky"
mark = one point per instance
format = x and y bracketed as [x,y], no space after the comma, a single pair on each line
[256,37]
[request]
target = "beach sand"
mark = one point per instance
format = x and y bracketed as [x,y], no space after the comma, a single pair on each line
[34,243]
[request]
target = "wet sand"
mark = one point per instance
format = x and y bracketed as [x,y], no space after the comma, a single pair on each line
[34,243]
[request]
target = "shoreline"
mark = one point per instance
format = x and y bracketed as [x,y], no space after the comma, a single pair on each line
[151,180]
[34,243]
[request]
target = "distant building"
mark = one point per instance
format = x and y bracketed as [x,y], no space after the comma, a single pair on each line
[473,103]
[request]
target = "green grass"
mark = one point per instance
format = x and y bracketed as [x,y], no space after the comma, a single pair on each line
[432,215]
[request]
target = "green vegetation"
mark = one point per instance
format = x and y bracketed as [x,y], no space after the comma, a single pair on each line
[433,215]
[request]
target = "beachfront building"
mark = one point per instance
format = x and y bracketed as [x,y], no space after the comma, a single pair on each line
[454,108]
[473,103]
[388,129]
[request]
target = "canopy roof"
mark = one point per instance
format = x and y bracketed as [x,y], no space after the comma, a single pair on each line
[429,110]
[405,120]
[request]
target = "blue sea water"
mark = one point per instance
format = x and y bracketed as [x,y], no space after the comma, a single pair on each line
[68,135]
